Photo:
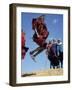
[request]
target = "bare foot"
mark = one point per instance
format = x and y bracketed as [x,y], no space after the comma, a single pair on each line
[33,58]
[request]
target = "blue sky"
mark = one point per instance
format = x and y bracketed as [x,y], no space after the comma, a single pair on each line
[54,23]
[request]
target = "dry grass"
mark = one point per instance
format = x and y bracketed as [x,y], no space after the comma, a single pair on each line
[49,72]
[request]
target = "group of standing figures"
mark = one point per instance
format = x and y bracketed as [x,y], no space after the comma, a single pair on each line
[54,48]
[54,53]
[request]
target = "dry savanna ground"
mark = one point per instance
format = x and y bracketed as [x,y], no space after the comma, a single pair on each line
[49,72]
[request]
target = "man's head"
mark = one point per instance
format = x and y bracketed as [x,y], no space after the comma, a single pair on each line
[54,41]
[49,42]
[41,19]
[58,40]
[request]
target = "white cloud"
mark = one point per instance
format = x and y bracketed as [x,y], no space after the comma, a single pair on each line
[55,21]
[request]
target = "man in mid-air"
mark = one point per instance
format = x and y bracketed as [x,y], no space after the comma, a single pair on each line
[40,35]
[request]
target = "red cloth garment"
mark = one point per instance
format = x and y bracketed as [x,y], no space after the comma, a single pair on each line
[42,33]
[39,40]
[23,52]
[23,40]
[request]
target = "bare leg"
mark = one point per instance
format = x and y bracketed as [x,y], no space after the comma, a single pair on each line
[39,51]
[35,52]
[32,52]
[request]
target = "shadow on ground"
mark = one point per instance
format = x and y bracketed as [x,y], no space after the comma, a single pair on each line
[28,74]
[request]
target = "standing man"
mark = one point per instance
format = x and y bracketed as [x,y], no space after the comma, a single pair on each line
[60,52]
[49,53]
[24,49]
[55,60]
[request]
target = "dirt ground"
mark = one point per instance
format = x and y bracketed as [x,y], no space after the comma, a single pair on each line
[49,72]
